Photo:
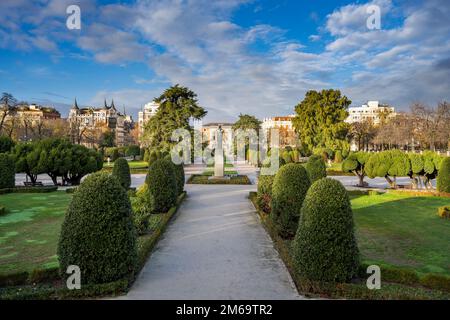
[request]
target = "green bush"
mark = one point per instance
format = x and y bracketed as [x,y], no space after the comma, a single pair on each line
[162,185]
[443,179]
[264,195]
[142,204]
[179,173]
[97,233]
[121,171]
[338,156]
[6,144]
[444,212]
[316,168]
[288,191]
[324,247]
[7,171]
[2,210]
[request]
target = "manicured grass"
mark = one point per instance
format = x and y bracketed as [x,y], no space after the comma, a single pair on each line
[404,231]
[226,165]
[29,231]
[132,164]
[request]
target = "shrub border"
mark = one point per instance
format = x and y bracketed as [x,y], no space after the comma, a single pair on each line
[230,181]
[353,290]
[44,291]
[20,189]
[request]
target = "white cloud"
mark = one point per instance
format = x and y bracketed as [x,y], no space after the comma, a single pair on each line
[197,44]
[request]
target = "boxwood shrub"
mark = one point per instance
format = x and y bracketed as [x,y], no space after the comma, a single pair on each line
[264,195]
[316,168]
[288,192]
[7,171]
[324,248]
[443,179]
[162,185]
[121,171]
[98,233]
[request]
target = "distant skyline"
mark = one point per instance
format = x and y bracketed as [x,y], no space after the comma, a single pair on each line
[240,56]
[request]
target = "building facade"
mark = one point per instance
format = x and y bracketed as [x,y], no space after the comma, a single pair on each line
[287,134]
[98,120]
[149,110]
[34,113]
[371,111]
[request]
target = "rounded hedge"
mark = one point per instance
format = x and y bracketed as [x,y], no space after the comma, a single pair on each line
[7,171]
[288,192]
[264,194]
[443,179]
[162,185]
[179,173]
[325,248]
[316,168]
[98,233]
[121,171]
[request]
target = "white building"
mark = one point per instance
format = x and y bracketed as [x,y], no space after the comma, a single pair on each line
[149,110]
[285,127]
[369,111]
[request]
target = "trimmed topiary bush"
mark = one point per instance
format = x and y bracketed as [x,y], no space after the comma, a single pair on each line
[121,171]
[6,144]
[7,171]
[98,233]
[162,185]
[316,168]
[443,179]
[444,212]
[288,191]
[324,247]
[179,174]
[264,195]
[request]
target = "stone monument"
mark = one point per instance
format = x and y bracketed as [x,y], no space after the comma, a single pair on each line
[218,155]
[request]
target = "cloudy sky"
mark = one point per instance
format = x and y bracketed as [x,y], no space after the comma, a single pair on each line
[250,56]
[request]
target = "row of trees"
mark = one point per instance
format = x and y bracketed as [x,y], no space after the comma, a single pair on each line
[58,158]
[423,127]
[320,123]
[390,164]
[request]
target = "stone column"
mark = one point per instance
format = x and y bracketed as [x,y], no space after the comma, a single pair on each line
[218,155]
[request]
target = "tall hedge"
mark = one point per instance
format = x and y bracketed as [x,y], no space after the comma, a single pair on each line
[288,191]
[98,233]
[316,168]
[179,173]
[162,185]
[325,248]
[443,180]
[7,171]
[264,194]
[6,144]
[121,171]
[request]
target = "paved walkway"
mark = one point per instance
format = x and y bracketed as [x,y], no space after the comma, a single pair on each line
[214,248]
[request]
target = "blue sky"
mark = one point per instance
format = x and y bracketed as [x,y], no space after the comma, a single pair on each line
[257,57]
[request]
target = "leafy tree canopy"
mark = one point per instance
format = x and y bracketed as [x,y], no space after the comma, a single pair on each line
[177,105]
[247,121]
[319,120]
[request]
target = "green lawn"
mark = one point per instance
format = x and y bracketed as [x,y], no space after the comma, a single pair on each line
[132,164]
[29,231]
[402,230]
